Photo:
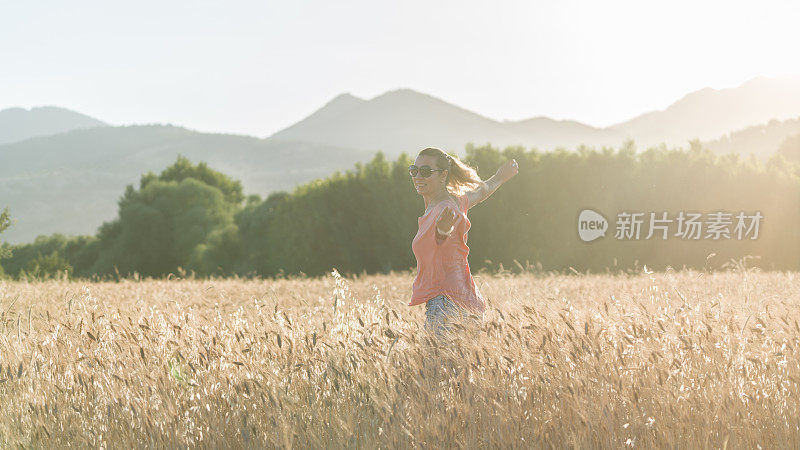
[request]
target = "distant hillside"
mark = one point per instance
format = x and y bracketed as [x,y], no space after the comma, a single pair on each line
[790,148]
[760,140]
[70,182]
[399,120]
[709,113]
[405,120]
[17,124]
[549,134]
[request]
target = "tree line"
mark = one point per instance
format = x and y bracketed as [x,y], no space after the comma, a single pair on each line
[191,218]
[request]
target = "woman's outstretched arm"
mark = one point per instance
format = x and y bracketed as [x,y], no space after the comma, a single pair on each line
[487,188]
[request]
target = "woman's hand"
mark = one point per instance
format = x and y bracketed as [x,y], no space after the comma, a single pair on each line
[445,221]
[507,171]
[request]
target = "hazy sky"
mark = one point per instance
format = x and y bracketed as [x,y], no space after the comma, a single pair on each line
[257,67]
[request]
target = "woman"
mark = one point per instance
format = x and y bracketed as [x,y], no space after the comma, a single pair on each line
[444,282]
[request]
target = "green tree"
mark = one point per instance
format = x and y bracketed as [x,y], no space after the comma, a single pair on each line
[254,222]
[160,227]
[76,251]
[363,220]
[5,222]
[182,169]
[220,253]
[48,266]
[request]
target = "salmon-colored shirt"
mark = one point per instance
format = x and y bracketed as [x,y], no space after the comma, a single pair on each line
[442,269]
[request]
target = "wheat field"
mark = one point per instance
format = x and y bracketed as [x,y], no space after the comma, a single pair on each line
[673,359]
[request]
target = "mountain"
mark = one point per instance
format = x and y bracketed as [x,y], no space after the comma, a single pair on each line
[341,104]
[71,182]
[17,124]
[549,133]
[761,140]
[709,113]
[397,121]
[407,120]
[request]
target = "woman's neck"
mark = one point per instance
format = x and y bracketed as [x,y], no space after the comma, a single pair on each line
[435,198]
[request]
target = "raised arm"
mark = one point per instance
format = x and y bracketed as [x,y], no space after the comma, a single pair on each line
[487,188]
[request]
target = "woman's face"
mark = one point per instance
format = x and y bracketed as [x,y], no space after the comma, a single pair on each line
[432,184]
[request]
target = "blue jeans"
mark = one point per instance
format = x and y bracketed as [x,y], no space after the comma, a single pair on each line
[439,312]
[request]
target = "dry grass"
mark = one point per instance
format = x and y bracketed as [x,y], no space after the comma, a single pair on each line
[676,359]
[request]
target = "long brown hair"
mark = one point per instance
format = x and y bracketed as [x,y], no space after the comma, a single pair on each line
[460,176]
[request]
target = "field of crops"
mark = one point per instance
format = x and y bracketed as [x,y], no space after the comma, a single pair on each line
[639,360]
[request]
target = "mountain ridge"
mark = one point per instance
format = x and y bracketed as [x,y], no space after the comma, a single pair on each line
[703,114]
[17,123]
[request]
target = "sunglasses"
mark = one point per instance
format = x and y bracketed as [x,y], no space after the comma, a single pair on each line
[424,171]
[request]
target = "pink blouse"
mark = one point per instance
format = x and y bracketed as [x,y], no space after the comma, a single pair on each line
[443,268]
